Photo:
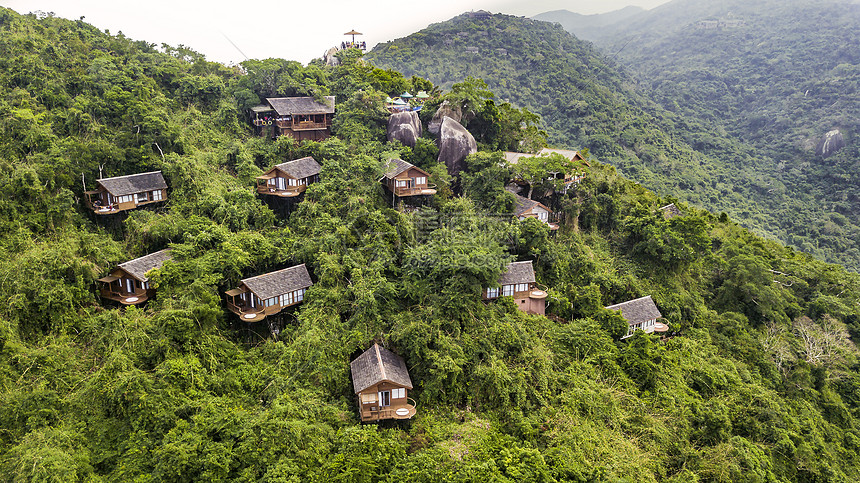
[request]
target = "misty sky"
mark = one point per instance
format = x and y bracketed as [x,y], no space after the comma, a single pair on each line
[288,29]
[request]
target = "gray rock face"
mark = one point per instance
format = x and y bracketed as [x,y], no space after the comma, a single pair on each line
[329,57]
[830,143]
[455,143]
[404,127]
[445,109]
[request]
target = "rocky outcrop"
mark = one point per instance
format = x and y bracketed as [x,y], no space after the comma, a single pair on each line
[830,143]
[329,57]
[445,109]
[404,127]
[455,143]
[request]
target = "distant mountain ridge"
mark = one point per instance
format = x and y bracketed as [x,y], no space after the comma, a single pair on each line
[588,27]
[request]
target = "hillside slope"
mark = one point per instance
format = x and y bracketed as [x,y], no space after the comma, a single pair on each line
[758,382]
[585,101]
[777,75]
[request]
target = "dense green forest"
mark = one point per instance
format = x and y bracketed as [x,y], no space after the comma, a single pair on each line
[588,101]
[760,381]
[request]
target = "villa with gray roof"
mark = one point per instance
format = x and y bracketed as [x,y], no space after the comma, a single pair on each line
[128,283]
[121,193]
[299,117]
[268,294]
[526,208]
[289,179]
[518,282]
[640,314]
[380,380]
[405,179]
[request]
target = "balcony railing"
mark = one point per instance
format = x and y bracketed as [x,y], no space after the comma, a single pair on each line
[287,192]
[429,189]
[247,313]
[302,125]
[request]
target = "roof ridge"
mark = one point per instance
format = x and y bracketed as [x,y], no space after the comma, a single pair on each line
[143,256]
[128,175]
[270,273]
[379,360]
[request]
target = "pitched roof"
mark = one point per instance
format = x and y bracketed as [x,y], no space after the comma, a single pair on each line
[396,166]
[670,211]
[638,310]
[518,272]
[524,205]
[572,155]
[277,283]
[138,267]
[512,157]
[378,364]
[301,168]
[287,106]
[134,183]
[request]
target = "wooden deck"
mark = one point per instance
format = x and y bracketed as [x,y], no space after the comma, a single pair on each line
[289,192]
[429,190]
[302,125]
[401,411]
[247,313]
[125,298]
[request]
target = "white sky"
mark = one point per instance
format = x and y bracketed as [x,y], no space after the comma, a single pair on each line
[290,29]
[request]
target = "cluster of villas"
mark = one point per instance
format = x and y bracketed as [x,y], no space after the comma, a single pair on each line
[380,378]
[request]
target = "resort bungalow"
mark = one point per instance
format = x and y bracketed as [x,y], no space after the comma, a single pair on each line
[526,208]
[404,179]
[380,381]
[122,193]
[289,179]
[299,117]
[519,282]
[269,293]
[128,283]
[570,179]
[641,314]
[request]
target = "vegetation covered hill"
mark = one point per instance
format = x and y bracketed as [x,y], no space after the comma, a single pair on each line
[760,382]
[776,75]
[586,101]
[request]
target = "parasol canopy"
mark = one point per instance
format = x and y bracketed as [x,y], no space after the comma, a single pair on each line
[406,95]
[422,95]
[353,33]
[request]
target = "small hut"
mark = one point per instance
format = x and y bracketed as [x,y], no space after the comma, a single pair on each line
[518,282]
[404,179]
[299,117]
[128,283]
[640,314]
[527,208]
[268,294]
[289,179]
[121,193]
[380,381]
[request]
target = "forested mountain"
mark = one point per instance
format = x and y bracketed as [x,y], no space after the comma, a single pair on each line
[759,381]
[777,75]
[588,102]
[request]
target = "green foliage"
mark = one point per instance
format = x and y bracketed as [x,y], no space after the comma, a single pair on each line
[758,381]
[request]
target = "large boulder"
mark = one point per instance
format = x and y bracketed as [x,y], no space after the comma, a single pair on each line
[455,143]
[404,127]
[329,57]
[830,143]
[445,109]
